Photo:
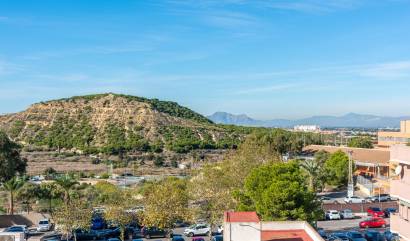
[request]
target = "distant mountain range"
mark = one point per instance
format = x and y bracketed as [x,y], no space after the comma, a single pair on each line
[348,120]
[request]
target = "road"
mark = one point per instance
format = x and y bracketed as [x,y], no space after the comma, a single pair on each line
[345,225]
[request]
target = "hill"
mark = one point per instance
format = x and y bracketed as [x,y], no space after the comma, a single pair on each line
[114,123]
[348,120]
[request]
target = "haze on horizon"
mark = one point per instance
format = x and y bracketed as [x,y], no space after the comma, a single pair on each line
[265,58]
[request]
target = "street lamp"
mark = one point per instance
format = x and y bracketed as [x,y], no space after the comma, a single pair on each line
[257,229]
[350,186]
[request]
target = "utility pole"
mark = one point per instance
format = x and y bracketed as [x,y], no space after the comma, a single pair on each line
[350,186]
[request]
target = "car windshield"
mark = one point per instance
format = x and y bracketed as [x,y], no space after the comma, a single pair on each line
[43,222]
[376,209]
[334,212]
[347,211]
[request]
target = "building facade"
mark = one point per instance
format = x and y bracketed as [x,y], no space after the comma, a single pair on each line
[246,226]
[307,128]
[389,138]
[400,188]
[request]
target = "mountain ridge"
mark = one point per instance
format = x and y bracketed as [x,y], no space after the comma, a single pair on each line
[348,120]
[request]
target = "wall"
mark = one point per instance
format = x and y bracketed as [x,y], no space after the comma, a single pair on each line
[242,232]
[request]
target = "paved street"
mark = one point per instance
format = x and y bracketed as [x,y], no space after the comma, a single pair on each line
[343,225]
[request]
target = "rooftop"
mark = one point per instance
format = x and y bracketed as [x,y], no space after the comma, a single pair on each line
[286,235]
[380,156]
[241,217]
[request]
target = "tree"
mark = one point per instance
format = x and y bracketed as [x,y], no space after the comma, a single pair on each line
[66,183]
[312,168]
[50,191]
[12,186]
[165,203]
[10,161]
[106,192]
[73,216]
[119,212]
[27,194]
[278,192]
[361,142]
[337,168]
[158,161]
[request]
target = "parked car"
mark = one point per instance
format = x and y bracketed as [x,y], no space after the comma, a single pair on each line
[332,215]
[197,230]
[151,232]
[178,238]
[220,229]
[16,229]
[381,198]
[388,211]
[346,214]
[373,223]
[389,236]
[355,236]
[354,199]
[322,233]
[97,223]
[374,235]
[218,238]
[198,239]
[44,225]
[341,236]
[375,212]
[113,239]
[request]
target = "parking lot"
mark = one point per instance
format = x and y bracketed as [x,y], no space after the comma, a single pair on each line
[346,224]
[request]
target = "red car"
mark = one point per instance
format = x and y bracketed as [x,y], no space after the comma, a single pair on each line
[373,223]
[375,212]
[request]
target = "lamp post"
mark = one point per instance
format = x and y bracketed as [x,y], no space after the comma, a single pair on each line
[257,229]
[350,186]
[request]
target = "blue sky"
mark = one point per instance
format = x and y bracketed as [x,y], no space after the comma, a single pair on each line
[265,58]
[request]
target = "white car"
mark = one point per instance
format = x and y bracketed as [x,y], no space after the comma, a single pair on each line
[354,199]
[44,225]
[197,230]
[220,229]
[346,214]
[332,215]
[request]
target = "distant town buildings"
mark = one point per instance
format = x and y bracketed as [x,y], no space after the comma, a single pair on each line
[307,128]
[400,188]
[388,138]
[246,226]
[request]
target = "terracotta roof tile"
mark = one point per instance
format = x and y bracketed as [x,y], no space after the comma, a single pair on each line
[239,217]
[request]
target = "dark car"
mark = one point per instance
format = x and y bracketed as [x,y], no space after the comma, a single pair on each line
[355,236]
[178,238]
[97,223]
[388,211]
[322,233]
[151,232]
[389,236]
[218,238]
[373,235]
[341,236]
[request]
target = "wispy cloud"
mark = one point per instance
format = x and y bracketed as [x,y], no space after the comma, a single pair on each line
[391,70]
[309,6]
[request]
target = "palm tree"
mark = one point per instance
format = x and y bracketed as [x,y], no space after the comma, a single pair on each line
[12,186]
[312,168]
[66,183]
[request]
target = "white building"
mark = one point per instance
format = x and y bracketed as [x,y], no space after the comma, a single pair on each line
[307,128]
[246,226]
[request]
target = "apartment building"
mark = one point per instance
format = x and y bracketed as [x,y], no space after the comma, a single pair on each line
[400,188]
[246,226]
[389,138]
